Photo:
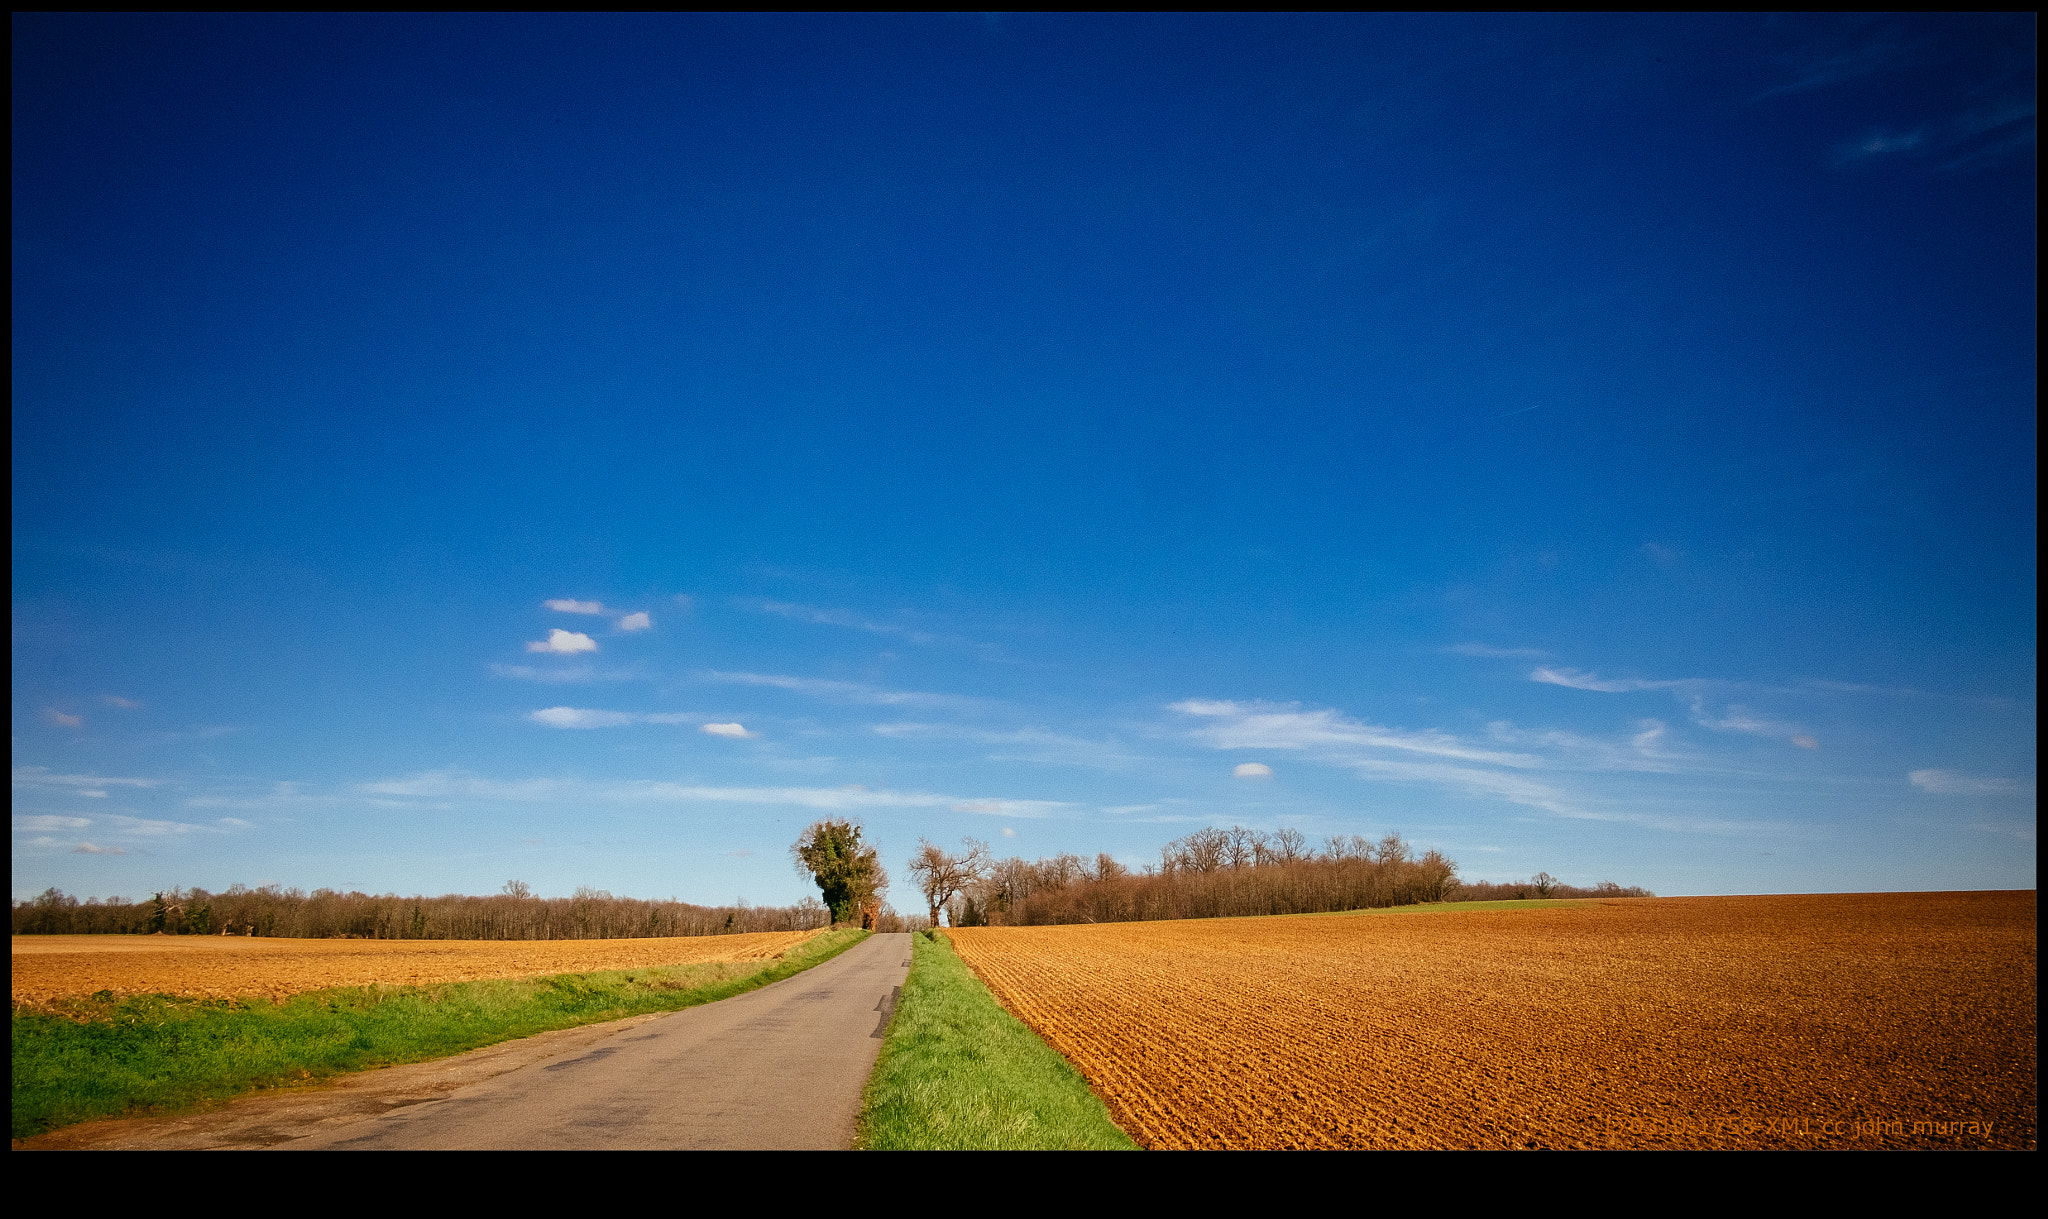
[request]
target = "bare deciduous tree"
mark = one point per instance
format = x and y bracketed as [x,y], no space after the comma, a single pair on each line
[941,875]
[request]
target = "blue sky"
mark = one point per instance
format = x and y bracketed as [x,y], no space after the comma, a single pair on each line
[587,449]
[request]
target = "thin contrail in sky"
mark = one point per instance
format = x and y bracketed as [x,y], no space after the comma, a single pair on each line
[1523,411]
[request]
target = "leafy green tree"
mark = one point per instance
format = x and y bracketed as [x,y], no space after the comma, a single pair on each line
[848,872]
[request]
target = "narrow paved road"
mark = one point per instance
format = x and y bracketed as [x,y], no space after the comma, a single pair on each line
[777,1068]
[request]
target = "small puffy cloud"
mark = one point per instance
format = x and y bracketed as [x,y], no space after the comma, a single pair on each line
[577,717]
[686,601]
[1253,770]
[1008,832]
[1805,742]
[565,606]
[731,730]
[87,848]
[566,643]
[115,700]
[62,720]
[636,622]
[1949,783]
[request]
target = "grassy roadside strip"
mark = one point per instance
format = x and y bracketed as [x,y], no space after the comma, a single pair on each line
[959,1073]
[161,1054]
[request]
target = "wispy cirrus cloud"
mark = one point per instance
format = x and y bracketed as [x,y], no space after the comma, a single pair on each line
[458,785]
[40,776]
[565,605]
[1262,726]
[1453,763]
[1575,680]
[823,616]
[1739,719]
[43,824]
[1951,783]
[581,717]
[847,691]
[1480,649]
[1690,691]
[88,848]
[1021,744]
[569,675]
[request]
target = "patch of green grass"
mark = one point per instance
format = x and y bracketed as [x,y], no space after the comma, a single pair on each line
[958,1073]
[107,1057]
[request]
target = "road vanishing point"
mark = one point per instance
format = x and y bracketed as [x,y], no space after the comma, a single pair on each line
[780,1068]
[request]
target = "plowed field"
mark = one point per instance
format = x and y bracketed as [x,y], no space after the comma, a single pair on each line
[54,966]
[1845,1020]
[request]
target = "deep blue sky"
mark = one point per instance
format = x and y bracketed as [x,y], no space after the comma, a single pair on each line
[1595,444]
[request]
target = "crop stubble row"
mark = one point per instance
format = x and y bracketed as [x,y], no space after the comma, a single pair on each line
[57,966]
[1842,1020]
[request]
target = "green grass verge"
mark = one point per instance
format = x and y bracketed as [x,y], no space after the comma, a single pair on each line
[158,1054]
[958,1073]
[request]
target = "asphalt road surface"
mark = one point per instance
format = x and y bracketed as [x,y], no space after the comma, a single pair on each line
[778,1068]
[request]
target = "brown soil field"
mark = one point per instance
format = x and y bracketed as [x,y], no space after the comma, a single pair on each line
[50,967]
[1887,1020]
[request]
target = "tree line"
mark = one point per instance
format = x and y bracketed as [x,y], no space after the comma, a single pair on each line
[513,914]
[1211,873]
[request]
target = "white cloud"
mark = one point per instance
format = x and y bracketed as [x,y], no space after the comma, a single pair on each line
[580,717]
[40,776]
[833,617]
[1014,808]
[636,622]
[1253,770]
[236,823]
[145,826]
[1881,144]
[576,717]
[847,691]
[1039,745]
[115,700]
[87,848]
[92,793]
[1576,680]
[564,642]
[1739,719]
[563,676]
[1260,726]
[1480,649]
[731,730]
[62,720]
[1949,783]
[565,606]
[1008,832]
[41,824]
[451,784]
